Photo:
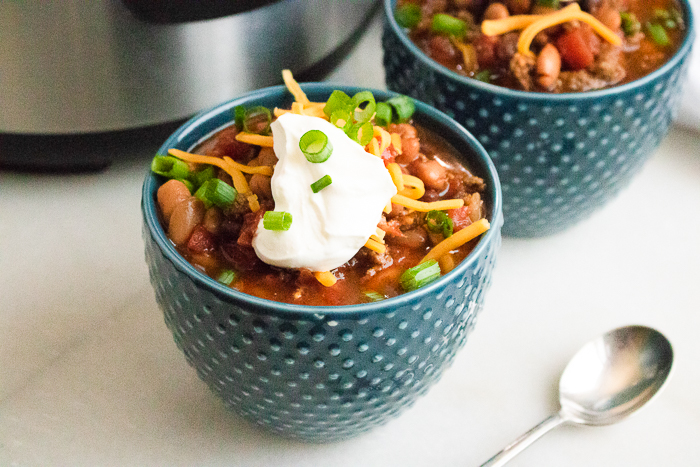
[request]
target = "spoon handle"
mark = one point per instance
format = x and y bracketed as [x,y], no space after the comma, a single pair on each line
[525,440]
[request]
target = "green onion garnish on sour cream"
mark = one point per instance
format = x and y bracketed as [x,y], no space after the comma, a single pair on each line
[315,146]
[321,183]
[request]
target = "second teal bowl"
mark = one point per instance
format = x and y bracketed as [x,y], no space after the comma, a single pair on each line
[560,157]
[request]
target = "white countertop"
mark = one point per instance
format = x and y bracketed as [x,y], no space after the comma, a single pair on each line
[90,375]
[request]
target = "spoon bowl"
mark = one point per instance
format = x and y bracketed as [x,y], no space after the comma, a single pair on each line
[614,375]
[606,380]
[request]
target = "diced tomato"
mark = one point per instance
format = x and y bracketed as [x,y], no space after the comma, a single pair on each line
[575,52]
[250,226]
[389,155]
[460,218]
[201,240]
[227,145]
[390,227]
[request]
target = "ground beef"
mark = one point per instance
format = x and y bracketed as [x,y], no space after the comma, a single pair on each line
[607,70]
[521,66]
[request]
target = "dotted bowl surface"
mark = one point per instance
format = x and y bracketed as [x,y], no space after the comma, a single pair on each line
[319,373]
[559,156]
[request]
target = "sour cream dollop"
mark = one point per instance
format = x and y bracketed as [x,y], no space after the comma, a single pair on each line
[330,226]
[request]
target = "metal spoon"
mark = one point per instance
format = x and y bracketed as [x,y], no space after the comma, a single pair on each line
[607,380]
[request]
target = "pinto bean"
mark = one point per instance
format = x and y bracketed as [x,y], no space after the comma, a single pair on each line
[496,11]
[169,195]
[548,66]
[212,219]
[184,219]
[405,130]
[410,147]
[261,185]
[432,173]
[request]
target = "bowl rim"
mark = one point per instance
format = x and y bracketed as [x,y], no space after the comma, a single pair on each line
[680,54]
[424,111]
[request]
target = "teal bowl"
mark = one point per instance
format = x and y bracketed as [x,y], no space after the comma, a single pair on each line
[560,157]
[319,373]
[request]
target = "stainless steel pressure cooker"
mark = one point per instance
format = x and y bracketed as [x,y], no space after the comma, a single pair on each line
[88,66]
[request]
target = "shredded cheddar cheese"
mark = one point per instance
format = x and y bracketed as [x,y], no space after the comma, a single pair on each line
[377,239]
[326,278]
[229,166]
[253,138]
[373,148]
[570,13]
[298,108]
[396,142]
[425,207]
[294,87]
[384,138]
[375,246]
[388,208]
[446,262]
[457,239]
[396,175]
[531,25]
[496,27]
[413,187]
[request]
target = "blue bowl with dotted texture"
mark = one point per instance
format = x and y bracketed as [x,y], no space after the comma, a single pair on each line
[319,373]
[559,156]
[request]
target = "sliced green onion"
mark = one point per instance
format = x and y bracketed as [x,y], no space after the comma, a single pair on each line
[420,275]
[257,120]
[403,107]
[407,15]
[448,25]
[315,146]
[382,117]
[374,296]
[198,178]
[227,277]
[216,192]
[439,222]
[342,118]
[363,106]
[484,76]
[321,183]
[239,116]
[658,34]
[549,3]
[171,167]
[338,100]
[277,220]
[361,133]
[630,24]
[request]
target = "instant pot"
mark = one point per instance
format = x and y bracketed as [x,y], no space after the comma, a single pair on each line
[75,67]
